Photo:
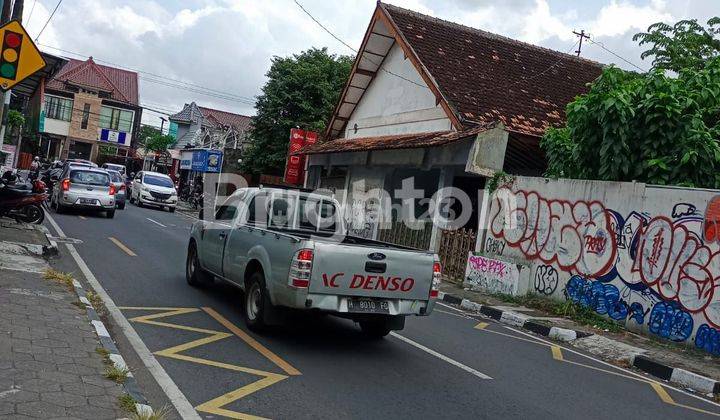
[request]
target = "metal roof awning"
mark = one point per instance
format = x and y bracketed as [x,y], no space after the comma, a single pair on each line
[28,86]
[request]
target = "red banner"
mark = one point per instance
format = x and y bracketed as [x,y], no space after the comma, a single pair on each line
[295,165]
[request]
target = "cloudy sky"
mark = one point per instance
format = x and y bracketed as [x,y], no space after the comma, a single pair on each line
[216,52]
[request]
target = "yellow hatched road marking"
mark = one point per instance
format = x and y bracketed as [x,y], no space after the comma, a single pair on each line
[122,247]
[83,217]
[215,406]
[253,343]
[481,326]
[557,353]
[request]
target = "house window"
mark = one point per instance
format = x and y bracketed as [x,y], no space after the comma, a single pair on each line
[116,119]
[85,117]
[58,108]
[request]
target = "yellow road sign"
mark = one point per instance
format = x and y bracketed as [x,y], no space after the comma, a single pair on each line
[19,57]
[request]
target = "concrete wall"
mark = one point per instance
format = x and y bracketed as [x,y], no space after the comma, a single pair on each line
[645,256]
[392,105]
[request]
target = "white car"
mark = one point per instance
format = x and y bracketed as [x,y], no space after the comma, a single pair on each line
[154,189]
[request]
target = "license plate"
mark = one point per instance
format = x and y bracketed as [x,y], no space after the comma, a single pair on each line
[87,201]
[368,305]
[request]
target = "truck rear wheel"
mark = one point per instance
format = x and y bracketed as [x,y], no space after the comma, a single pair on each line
[257,302]
[194,274]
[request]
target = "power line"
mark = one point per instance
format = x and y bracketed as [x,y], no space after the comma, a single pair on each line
[32,9]
[225,95]
[601,45]
[354,50]
[48,21]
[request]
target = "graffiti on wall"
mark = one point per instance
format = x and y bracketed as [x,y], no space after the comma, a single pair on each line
[546,280]
[663,272]
[574,235]
[491,275]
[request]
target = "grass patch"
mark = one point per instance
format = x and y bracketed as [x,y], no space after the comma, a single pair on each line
[127,403]
[568,309]
[96,302]
[59,276]
[116,374]
[161,414]
[104,354]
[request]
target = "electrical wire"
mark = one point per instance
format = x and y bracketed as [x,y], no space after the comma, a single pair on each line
[48,21]
[225,95]
[601,45]
[356,51]
[32,9]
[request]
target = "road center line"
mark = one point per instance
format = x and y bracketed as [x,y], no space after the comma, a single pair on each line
[122,246]
[441,356]
[156,222]
[177,398]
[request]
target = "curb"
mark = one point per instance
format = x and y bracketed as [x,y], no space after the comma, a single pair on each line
[516,319]
[654,368]
[52,249]
[130,384]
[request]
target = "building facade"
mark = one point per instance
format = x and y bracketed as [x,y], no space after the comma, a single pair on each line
[437,104]
[196,126]
[88,110]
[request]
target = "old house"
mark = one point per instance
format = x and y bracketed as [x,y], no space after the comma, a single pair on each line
[442,104]
[199,126]
[88,109]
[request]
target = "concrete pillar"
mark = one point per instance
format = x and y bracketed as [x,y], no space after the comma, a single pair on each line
[444,180]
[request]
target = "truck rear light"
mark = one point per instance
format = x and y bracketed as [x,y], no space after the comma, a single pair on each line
[112,189]
[436,278]
[122,187]
[66,184]
[301,268]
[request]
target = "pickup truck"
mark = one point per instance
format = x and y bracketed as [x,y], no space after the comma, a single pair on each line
[287,249]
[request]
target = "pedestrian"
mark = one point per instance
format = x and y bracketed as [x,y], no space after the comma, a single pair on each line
[35,165]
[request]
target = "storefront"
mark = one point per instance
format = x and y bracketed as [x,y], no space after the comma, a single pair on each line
[195,163]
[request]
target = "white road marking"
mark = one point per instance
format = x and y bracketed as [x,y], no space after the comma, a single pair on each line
[624,371]
[177,398]
[450,307]
[156,222]
[441,356]
[13,390]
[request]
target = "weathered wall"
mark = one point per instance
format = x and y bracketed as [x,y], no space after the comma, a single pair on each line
[647,256]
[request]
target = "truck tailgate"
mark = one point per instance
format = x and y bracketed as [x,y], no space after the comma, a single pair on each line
[354,270]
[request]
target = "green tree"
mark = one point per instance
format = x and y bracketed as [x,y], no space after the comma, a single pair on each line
[15,123]
[651,127]
[687,44]
[152,140]
[301,90]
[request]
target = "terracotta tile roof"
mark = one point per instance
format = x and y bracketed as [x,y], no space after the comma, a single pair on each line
[239,122]
[487,77]
[392,142]
[122,84]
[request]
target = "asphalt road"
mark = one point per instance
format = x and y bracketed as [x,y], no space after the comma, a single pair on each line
[321,367]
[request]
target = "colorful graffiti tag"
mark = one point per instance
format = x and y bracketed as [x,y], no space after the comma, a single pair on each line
[660,271]
[575,235]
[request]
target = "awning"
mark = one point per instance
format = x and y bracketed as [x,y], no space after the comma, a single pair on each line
[393,142]
[28,86]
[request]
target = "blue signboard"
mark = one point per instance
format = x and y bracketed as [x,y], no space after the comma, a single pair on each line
[206,161]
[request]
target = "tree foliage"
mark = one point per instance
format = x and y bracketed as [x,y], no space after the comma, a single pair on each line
[653,127]
[152,140]
[685,45]
[301,90]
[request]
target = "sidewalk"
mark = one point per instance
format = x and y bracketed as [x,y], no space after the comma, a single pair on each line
[678,363]
[52,364]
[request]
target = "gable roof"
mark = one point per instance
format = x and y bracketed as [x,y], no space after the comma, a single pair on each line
[476,76]
[191,113]
[237,121]
[122,85]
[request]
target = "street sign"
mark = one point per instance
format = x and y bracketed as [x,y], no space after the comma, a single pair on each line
[19,57]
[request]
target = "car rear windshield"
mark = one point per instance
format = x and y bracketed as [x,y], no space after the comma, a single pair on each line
[116,177]
[158,181]
[90,178]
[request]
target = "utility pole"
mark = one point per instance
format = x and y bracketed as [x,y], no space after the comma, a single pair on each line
[4,96]
[17,10]
[162,124]
[582,35]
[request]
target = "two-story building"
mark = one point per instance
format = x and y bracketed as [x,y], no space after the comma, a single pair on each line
[197,126]
[87,110]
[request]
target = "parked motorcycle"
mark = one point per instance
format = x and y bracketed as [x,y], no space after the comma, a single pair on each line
[23,204]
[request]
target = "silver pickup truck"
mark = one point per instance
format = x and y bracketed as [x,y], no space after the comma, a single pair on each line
[288,249]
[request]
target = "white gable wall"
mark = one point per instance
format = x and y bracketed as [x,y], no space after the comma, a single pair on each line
[392,105]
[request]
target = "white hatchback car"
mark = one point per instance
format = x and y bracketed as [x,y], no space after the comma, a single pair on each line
[154,189]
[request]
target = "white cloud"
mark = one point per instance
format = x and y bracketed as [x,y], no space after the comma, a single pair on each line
[619,18]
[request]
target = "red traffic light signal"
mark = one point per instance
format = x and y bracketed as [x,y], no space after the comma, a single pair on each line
[10,54]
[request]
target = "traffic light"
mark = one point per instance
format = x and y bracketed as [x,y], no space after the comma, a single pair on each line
[10,54]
